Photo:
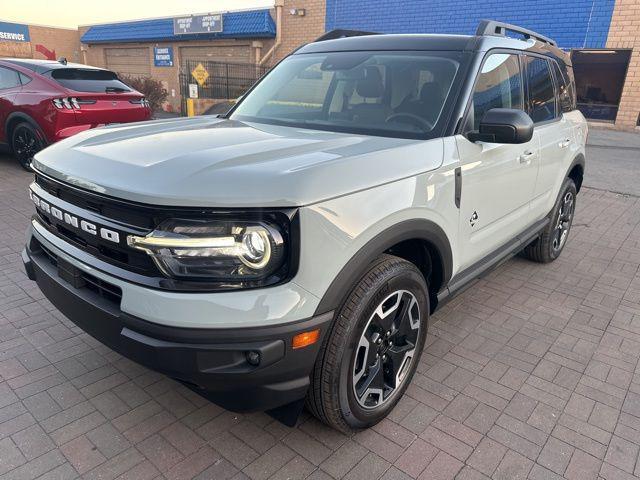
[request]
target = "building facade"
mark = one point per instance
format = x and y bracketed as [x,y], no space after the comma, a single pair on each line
[602,35]
[38,41]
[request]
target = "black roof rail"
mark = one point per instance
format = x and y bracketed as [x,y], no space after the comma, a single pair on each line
[340,33]
[499,29]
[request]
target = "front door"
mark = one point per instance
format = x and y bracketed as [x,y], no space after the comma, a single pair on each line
[497,179]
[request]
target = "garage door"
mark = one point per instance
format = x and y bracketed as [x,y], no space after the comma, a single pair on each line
[227,54]
[130,61]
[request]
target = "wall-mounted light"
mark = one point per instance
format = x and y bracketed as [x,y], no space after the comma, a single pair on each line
[300,12]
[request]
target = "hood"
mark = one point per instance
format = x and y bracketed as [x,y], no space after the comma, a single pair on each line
[211,162]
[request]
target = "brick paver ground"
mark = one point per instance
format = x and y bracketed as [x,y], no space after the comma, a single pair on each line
[533,372]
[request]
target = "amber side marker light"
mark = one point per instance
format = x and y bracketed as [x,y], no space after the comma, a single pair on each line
[305,339]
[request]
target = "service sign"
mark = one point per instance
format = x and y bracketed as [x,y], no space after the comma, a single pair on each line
[163,56]
[14,32]
[197,24]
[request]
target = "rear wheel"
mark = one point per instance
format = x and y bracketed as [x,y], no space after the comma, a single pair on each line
[373,349]
[26,141]
[554,237]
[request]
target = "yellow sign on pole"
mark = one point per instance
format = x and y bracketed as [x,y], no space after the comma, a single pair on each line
[200,74]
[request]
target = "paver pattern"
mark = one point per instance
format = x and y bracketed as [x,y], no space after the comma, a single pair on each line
[531,373]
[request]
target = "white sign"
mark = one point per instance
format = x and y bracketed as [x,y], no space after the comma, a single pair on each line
[193,90]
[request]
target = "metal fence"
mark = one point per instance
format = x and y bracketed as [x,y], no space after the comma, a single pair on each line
[225,80]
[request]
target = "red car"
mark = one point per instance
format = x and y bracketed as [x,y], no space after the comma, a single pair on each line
[43,101]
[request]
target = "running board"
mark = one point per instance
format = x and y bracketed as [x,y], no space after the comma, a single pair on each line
[468,276]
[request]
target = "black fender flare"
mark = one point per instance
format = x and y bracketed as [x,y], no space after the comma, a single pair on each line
[579,160]
[20,117]
[357,266]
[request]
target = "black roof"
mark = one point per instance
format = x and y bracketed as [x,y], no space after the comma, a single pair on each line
[490,34]
[397,42]
[42,66]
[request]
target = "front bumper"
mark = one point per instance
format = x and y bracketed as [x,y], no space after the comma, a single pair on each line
[214,361]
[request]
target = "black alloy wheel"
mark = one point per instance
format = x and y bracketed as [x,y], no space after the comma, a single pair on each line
[26,142]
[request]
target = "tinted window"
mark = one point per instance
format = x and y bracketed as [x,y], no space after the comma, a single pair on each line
[399,94]
[565,90]
[499,85]
[542,101]
[24,79]
[85,80]
[8,78]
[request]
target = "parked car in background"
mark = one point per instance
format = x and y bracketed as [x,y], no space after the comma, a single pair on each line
[44,101]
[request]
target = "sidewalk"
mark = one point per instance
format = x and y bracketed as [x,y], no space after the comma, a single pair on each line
[613,161]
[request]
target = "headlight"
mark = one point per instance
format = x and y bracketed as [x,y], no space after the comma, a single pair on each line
[220,251]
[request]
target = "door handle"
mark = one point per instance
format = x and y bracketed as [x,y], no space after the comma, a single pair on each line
[565,143]
[526,156]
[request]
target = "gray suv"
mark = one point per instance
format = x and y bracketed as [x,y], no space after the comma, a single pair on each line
[293,250]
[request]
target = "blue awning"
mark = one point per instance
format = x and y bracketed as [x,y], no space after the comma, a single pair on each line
[248,24]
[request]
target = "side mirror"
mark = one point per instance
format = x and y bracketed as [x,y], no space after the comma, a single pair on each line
[503,125]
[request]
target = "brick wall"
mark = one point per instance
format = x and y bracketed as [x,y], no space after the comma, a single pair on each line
[572,23]
[65,42]
[625,33]
[297,30]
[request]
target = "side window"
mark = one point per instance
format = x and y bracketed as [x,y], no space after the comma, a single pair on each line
[24,79]
[542,99]
[8,78]
[499,85]
[565,91]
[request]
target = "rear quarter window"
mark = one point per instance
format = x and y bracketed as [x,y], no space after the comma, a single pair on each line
[566,92]
[86,80]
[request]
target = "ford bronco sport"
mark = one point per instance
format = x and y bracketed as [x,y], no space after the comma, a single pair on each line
[294,249]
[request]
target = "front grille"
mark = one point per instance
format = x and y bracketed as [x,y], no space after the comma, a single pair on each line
[120,256]
[106,290]
[137,216]
[131,218]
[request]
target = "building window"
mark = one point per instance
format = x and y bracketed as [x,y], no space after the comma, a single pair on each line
[600,76]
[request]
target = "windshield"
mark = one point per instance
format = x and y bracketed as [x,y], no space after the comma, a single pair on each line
[400,94]
[87,80]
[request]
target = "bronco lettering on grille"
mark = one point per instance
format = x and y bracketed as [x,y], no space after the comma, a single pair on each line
[74,221]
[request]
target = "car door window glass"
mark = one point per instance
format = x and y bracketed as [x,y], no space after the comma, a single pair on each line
[8,78]
[542,100]
[565,94]
[499,85]
[24,79]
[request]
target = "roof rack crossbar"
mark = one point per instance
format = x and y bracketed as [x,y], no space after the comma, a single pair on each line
[499,29]
[341,33]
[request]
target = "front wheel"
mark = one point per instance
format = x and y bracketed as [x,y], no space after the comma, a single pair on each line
[554,237]
[26,141]
[373,349]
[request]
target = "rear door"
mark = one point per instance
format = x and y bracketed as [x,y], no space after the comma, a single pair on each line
[552,130]
[497,179]
[9,87]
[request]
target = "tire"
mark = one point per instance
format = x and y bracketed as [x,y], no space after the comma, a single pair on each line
[549,245]
[392,291]
[26,141]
